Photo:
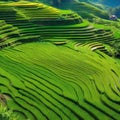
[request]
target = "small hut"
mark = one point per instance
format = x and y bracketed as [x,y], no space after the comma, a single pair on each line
[113,17]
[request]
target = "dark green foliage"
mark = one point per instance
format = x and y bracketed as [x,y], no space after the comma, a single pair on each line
[6,114]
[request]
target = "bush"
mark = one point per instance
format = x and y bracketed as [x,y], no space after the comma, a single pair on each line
[6,114]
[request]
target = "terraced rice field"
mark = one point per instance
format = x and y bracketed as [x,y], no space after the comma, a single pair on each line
[56,71]
[10,35]
[44,81]
[33,19]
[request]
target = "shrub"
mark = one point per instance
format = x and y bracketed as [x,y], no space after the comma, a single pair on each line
[6,114]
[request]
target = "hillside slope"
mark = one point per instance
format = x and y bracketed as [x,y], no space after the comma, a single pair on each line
[84,9]
[56,66]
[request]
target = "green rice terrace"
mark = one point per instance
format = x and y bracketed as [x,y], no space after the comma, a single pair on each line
[55,65]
